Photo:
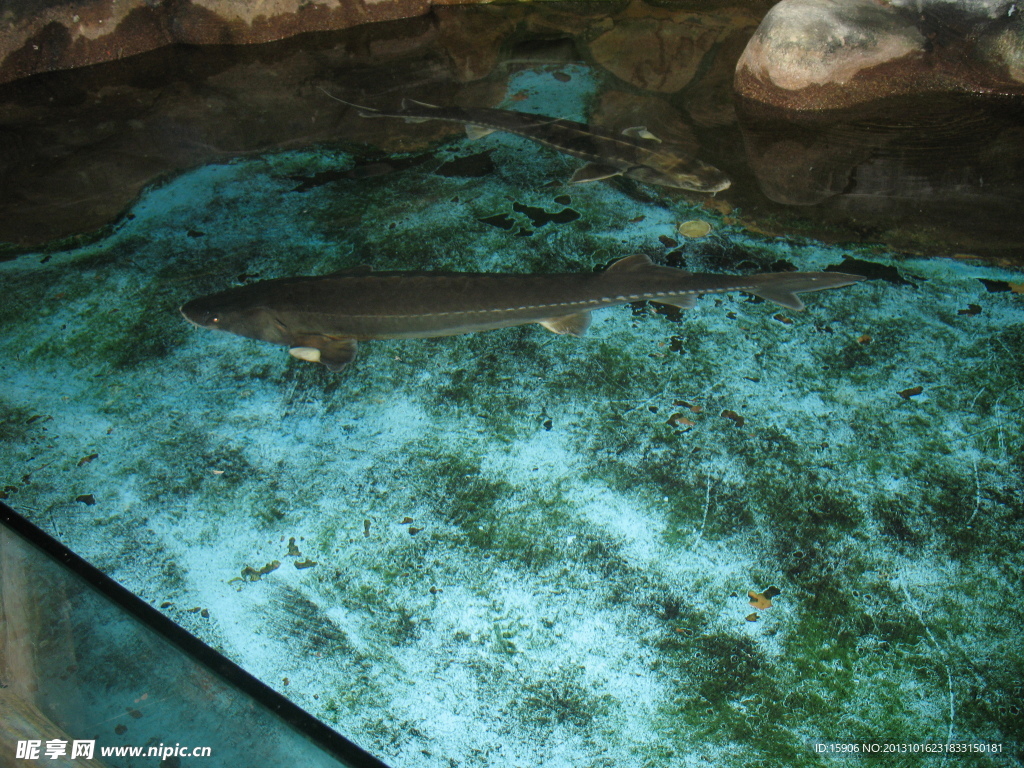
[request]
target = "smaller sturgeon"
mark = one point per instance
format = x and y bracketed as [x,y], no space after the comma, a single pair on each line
[635,152]
[322,319]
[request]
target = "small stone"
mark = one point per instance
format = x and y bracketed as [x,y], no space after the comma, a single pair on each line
[694,228]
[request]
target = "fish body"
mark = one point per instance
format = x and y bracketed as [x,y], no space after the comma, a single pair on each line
[634,152]
[322,319]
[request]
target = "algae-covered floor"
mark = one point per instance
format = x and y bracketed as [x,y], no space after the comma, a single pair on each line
[515,548]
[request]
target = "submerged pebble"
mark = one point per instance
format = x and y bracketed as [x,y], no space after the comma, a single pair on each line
[694,228]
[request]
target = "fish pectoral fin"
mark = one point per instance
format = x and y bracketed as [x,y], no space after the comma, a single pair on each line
[474,132]
[683,300]
[593,172]
[332,352]
[780,296]
[309,354]
[640,132]
[573,325]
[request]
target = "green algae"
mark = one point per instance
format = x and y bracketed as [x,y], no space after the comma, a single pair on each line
[560,698]
[568,535]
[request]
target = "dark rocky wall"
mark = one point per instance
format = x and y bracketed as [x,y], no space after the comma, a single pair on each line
[48,36]
[80,144]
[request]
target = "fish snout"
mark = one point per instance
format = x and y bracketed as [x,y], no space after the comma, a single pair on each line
[711,180]
[200,316]
[698,176]
[721,186]
[706,179]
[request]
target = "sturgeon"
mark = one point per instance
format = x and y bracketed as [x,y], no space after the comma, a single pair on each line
[322,319]
[635,152]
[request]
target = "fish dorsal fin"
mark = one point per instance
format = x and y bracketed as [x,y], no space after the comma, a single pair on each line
[632,263]
[640,132]
[573,325]
[593,172]
[474,132]
[333,352]
[640,262]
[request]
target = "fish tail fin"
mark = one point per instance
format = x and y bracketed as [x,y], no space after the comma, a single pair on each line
[782,287]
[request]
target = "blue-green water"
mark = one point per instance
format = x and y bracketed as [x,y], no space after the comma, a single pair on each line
[515,548]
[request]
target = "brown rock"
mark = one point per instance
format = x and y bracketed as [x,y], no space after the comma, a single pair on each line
[1005,49]
[710,101]
[472,38]
[808,54]
[654,54]
[829,54]
[74,33]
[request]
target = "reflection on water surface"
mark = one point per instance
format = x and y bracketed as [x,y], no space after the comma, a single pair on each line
[928,172]
[82,144]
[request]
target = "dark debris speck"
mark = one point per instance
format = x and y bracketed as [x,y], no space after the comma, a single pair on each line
[500,220]
[995,286]
[869,269]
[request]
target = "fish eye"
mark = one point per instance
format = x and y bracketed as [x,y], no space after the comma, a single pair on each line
[214,318]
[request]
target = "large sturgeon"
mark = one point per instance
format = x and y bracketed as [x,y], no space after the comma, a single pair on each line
[635,152]
[321,319]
